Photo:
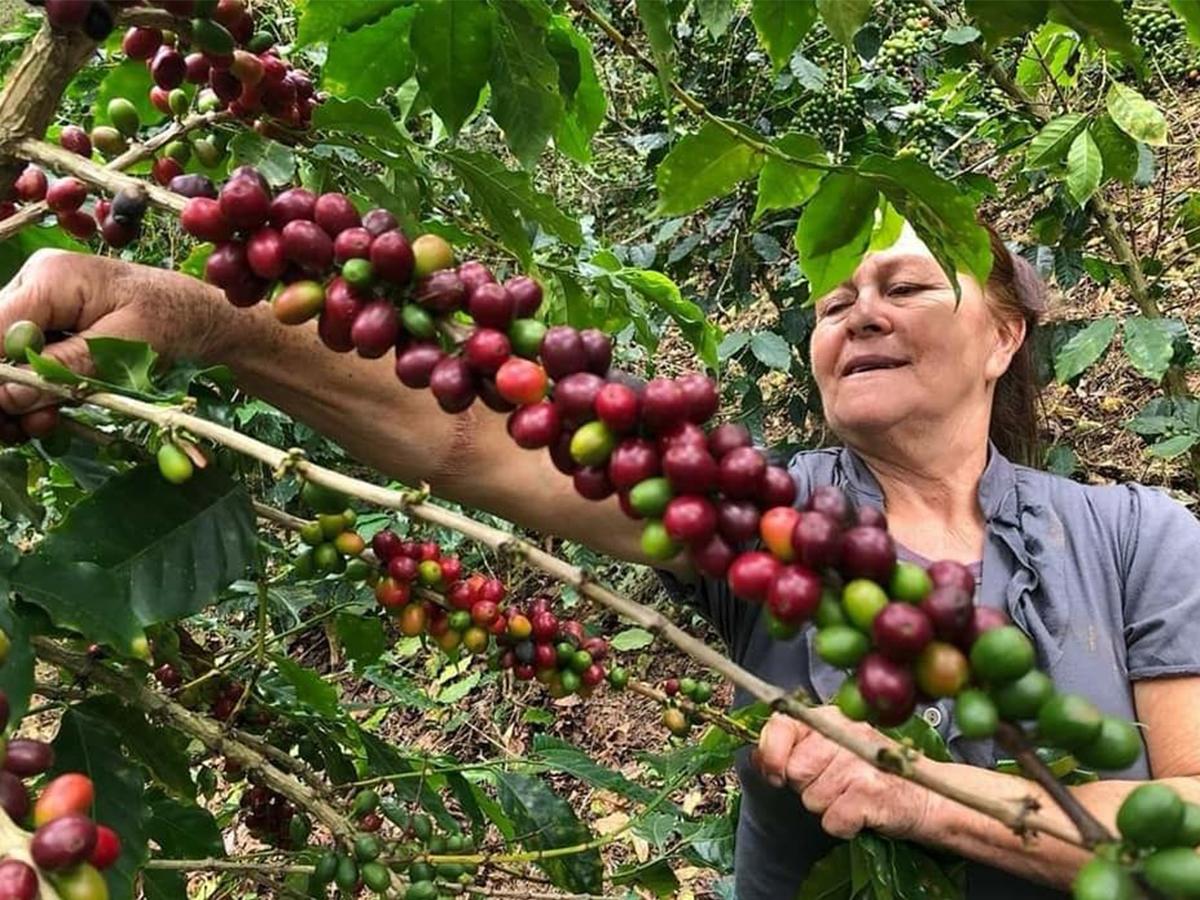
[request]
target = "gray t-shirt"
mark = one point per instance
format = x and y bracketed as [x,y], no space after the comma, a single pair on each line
[1104,579]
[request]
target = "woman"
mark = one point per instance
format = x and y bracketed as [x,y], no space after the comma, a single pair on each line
[1103,579]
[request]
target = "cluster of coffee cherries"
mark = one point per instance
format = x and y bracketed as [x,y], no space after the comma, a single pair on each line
[680,719]
[239,67]
[272,818]
[92,17]
[646,443]
[118,221]
[67,848]
[907,633]
[367,862]
[1159,835]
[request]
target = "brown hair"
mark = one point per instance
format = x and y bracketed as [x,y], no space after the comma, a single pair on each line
[1016,292]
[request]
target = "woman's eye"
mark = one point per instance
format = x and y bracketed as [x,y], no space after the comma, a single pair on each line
[835,305]
[904,289]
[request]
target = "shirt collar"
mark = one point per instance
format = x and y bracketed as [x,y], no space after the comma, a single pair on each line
[997,486]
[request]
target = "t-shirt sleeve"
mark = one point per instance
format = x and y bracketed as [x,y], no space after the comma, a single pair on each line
[1162,586]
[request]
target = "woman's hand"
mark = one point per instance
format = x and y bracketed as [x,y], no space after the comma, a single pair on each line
[846,792]
[91,296]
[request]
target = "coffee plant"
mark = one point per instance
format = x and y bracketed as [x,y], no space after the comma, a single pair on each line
[224,641]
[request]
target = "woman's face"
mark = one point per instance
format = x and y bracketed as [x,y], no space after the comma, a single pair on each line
[889,347]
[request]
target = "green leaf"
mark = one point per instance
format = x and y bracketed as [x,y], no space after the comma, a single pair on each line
[701,167]
[942,217]
[780,25]
[1189,12]
[1061,460]
[1149,344]
[125,364]
[544,820]
[1000,19]
[321,21]
[274,161]
[1082,350]
[771,350]
[16,675]
[960,35]
[888,229]
[585,109]
[715,15]
[453,44]
[1051,143]
[1103,20]
[1174,446]
[383,759]
[525,97]
[1048,61]
[88,743]
[499,194]
[372,59]
[112,566]
[664,293]
[563,757]
[1084,168]
[834,230]
[631,639]
[655,876]
[15,502]
[1135,115]
[784,185]
[843,18]
[655,16]
[162,751]
[829,878]
[1118,151]
[52,370]
[312,691]
[181,831]
[361,637]
[354,116]
[131,81]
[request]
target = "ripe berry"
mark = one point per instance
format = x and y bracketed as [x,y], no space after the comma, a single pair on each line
[591,483]
[727,437]
[168,68]
[491,306]
[690,519]
[30,185]
[794,594]
[66,195]
[165,169]
[776,528]
[699,396]
[14,798]
[452,384]
[751,574]
[377,221]
[690,468]
[375,328]
[832,501]
[950,610]
[335,213]
[663,405]
[352,243]
[141,43]
[202,218]
[952,574]
[473,274]
[307,245]
[342,306]
[27,758]
[816,538]
[76,140]
[712,557]
[888,688]
[526,294]
[562,352]
[683,433]
[535,426]
[486,350]
[66,794]
[18,880]
[618,406]
[983,620]
[392,257]
[63,842]
[265,253]
[197,69]
[575,397]
[521,381]
[741,472]
[737,521]
[597,350]
[868,553]
[632,460]
[293,204]
[901,631]
[415,364]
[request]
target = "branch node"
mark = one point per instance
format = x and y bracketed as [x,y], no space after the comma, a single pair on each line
[290,462]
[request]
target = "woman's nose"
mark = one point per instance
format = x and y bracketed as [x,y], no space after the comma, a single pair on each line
[868,314]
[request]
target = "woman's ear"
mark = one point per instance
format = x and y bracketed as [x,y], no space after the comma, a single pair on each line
[1010,334]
